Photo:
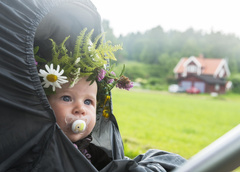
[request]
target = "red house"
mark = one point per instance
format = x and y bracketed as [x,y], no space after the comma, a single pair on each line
[208,75]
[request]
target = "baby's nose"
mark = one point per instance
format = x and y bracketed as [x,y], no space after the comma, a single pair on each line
[79,109]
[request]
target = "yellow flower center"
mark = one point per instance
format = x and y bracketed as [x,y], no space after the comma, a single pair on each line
[52,77]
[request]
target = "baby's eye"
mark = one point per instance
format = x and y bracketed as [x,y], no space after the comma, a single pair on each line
[88,102]
[66,98]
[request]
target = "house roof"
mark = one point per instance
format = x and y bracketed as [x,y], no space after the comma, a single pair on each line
[211,80]
[209,66]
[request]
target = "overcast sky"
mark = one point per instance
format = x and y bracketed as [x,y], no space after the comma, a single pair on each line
[127,16]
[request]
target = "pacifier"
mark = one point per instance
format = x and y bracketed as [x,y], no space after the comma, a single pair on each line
[78,126]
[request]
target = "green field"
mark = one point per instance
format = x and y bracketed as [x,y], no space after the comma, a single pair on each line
[178,123]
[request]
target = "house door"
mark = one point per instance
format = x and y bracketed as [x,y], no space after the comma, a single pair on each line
[200,86]
[186,85]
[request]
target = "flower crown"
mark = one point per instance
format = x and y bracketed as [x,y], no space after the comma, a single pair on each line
[88,59]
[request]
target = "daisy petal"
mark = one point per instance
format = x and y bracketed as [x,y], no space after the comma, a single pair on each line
[47,68]
[61,72]
[53,87]
[56,84]
[51,67]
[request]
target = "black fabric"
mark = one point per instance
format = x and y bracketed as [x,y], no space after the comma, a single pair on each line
[93,153]
[152,161]
[30,138]
[98,157]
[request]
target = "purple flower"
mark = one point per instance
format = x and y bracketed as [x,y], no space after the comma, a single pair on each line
[101,75]
[124,83]
[36,63]
[111,80]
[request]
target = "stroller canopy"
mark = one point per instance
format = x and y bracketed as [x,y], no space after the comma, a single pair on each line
[30,138]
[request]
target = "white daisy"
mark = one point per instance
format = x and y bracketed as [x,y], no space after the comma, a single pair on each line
[52,77]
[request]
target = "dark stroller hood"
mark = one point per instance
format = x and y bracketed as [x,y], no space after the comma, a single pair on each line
[30,139]
[30,136]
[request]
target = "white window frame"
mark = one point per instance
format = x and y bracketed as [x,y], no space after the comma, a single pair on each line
[217,87]
[192,68]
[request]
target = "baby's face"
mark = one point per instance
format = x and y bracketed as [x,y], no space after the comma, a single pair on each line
[78,102]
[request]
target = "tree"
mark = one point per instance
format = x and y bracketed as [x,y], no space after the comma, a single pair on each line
[160,51]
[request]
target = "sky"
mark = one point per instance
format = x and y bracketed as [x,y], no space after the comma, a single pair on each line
[126,16]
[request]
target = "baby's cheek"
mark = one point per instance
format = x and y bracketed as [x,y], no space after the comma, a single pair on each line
[92,124]
[61,124]
[61,121]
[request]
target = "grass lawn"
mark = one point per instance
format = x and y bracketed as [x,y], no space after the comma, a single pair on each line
[178,123]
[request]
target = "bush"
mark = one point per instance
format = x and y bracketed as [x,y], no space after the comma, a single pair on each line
[235,83]
[149,76]
[156,81]
[133,70]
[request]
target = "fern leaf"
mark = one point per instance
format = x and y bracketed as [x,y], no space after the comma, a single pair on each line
[79,42]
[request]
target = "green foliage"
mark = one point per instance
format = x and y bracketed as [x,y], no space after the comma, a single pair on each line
[235,83]
[163,49]
[134,70]
[147,47]
[154,83]
[79,42]
[87,56]
[37,58]
[148,75]
[89,59]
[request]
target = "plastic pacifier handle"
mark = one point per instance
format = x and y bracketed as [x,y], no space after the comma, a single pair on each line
[78,126]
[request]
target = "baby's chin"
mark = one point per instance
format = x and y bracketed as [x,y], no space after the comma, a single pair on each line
[76,137]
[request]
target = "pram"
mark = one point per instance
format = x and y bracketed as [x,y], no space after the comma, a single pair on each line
[30,138]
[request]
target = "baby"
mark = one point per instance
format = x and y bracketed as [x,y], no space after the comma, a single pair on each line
[76,103]
[77,84]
